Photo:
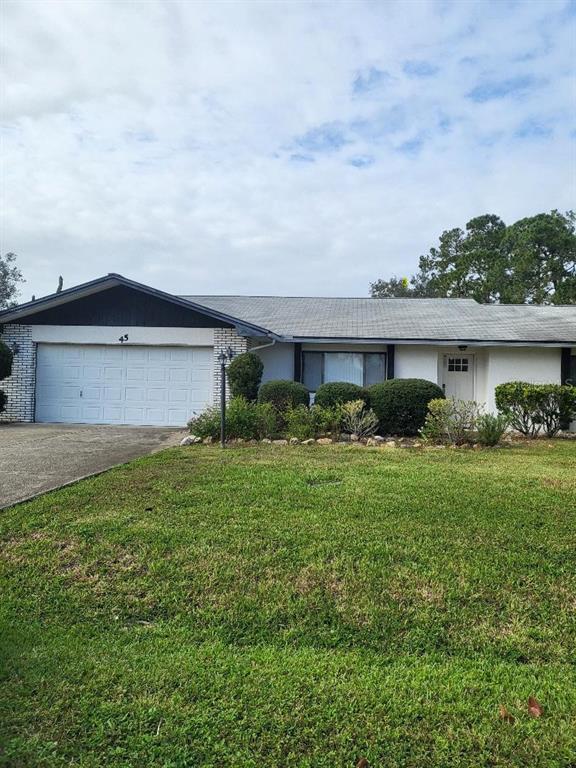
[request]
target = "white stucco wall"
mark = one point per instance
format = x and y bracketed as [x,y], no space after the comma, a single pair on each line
[493,366]
[278,361]
[413,361]
[537,365]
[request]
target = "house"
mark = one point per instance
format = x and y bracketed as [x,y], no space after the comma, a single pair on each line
[113,351]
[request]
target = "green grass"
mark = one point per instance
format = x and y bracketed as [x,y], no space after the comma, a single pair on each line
[285,607]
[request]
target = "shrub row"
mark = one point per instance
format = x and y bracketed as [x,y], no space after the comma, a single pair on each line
[531,408]
[398,407]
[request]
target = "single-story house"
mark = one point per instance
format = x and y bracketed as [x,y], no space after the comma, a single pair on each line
[114,351]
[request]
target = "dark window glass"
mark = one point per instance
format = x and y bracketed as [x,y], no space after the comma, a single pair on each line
[374,369]
[312,370]
[356,367]
[573,370]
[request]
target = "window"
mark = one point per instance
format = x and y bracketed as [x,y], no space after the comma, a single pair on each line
[363,368]
[458,364]
[573,370]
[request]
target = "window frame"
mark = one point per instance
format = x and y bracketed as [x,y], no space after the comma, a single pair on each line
[325,352]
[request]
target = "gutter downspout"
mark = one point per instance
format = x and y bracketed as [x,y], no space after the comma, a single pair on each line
[263,346]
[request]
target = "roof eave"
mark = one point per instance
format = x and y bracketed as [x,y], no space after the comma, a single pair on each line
[110,281]
[427,341]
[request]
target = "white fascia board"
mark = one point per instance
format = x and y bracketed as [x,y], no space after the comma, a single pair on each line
[111,334]
[427,342]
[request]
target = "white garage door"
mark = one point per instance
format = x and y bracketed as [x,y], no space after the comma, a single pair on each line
[122,385]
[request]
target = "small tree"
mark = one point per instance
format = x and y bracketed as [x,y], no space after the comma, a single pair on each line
[10,277]
[244,375]
[6,359]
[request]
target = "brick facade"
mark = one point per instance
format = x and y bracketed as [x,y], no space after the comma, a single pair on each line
[224,338]
[20,387]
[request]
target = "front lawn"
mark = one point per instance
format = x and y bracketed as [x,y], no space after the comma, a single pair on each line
[277,607]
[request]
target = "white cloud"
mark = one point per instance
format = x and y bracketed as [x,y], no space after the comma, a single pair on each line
[155,139]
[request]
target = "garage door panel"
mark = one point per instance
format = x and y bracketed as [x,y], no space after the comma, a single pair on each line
[157,375]
[112,394]
[122,385]
[177,395]
[136,374]
[111,415]
[92,372]
[112,374]
[91,413]
[91,393]
[177,417]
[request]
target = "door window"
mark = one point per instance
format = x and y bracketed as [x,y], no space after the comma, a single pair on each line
[458,364]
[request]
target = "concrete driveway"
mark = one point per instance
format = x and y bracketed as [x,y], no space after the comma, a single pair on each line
[40,457]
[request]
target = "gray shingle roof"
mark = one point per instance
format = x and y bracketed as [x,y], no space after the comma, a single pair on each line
[396,319]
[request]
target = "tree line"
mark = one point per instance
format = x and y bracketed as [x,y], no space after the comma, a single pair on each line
[532,261]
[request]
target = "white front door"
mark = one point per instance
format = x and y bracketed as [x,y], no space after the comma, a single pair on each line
[458,376]
[98,384]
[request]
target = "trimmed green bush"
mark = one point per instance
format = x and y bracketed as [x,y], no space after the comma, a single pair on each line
[283,394]
[337,392]
[402,404]
[6,359]
[244,375]
[518,400]
[533,407]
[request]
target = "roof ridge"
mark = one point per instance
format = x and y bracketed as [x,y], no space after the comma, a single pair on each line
[330,298]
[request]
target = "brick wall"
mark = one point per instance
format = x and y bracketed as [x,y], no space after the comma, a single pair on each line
[21,385]
[224,338]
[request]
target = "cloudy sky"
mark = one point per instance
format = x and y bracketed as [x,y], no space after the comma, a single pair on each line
[275,147]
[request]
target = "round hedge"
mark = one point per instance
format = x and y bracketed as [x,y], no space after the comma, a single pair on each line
[334,392]
[244,375]
[283,394]
[6,358]
[401,404]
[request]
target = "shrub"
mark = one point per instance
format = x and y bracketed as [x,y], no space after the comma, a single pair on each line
[556,406]
[401,404]
[305,423]
[244,375]
[241,419]
[283,394]
[267,420]
[336,392]
[531,407]
[245,420]
[450,420]
[518,401]
[6,358]
[357,419]
[206,424]
[490,428]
